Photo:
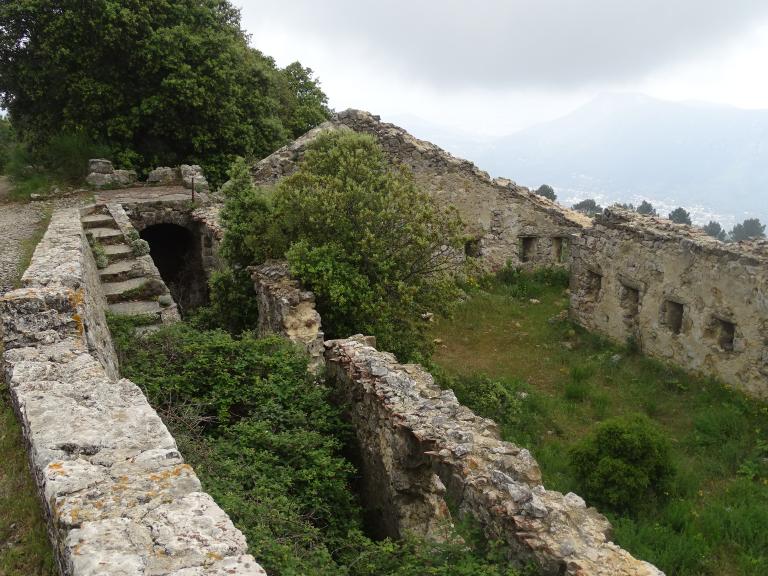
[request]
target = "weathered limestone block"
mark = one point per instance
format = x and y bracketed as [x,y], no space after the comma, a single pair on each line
[286,309]
[99,180]
[680,294]
[100,166]
[193,173]
[125,177]
[419,447]
[162,176]
[116,493]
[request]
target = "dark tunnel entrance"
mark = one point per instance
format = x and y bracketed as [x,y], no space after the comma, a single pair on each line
[177,254]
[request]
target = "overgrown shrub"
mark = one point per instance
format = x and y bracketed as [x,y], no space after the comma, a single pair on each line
[232,304]
[65,156]
[267,444]
[377,251]
[624,464]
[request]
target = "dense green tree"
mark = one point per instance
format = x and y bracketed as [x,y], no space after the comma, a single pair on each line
[377,251]
[625,206]
[588,207]
[715,230]
[750,229]
[680,216]
[647,209]
[303,104]
[547,191]
[160,82]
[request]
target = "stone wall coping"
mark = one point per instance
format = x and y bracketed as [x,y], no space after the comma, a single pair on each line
[116,493]
[641,226]
[352,119]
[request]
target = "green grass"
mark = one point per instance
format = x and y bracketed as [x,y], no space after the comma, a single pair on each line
[24,548]
[22,188]
[548,382]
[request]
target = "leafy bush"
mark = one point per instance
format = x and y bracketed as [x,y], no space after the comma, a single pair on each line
[65,156]
[377,252]
[623,464]
[232,305]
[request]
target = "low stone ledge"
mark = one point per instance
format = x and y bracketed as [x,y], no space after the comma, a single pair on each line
[287,310]
[117,495]
[419,447]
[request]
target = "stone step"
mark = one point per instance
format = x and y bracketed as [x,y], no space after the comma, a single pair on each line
[98,221]
[137,308]
[106,235]
[118,252]
[121,270]
[133,289]
[94,209]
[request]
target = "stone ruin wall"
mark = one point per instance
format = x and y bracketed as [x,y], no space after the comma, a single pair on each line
[117,495]
[286,309]
[419,450]
[683,296]
[505,222]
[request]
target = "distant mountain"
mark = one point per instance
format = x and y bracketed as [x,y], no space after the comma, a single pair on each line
[710,159]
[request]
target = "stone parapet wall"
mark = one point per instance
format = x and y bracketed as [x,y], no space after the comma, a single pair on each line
[117,495]
[287,310]
[420,449]
[679,294]
[208,219]
[63,260]
[504,222]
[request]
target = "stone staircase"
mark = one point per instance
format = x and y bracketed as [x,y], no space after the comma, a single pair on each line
[131,283]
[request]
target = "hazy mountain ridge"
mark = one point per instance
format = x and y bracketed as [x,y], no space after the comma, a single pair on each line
[711,159]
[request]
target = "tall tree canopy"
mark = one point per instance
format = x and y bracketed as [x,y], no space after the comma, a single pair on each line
[647,209]
[680,216]
[547,191]
[588,207]
[750,229]
[715,230]
[159,81]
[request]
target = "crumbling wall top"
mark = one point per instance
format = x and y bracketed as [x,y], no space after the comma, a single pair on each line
[650,227]
[406,149]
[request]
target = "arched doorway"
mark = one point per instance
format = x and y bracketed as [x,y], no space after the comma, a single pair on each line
[177,254]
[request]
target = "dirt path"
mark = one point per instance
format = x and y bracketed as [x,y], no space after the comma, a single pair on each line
[20,225]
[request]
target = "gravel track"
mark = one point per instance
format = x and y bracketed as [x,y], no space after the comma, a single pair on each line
[19,222]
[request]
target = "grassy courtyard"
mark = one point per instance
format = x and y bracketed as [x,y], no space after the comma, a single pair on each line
[510,353]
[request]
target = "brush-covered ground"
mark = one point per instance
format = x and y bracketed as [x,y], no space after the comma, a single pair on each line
[510,353]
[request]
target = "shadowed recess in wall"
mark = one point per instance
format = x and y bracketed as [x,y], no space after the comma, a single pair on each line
[177,255]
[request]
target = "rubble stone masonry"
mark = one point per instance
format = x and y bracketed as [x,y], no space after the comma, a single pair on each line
[420,450]
[681,295]
[117,495]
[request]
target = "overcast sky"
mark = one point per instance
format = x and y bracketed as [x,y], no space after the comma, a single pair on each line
[490,67]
